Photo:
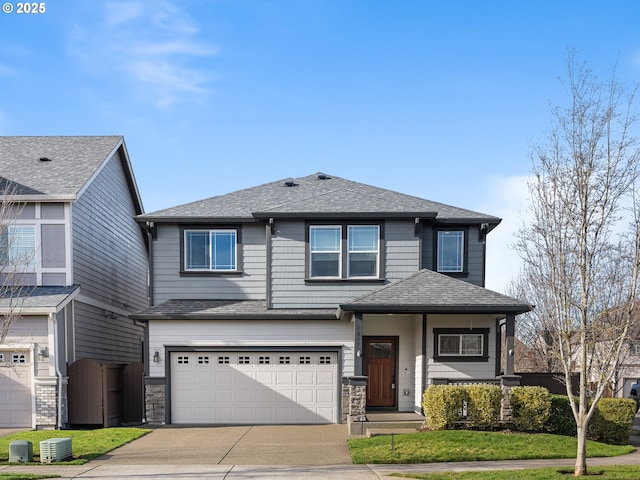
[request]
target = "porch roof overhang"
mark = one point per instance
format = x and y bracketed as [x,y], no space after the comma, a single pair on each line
[430,292]
[36,300]
[229,310]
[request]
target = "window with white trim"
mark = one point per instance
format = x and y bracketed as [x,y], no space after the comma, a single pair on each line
[212,250]
[325,246]
[19,358]
[363,250]
[360,252]
[450,248]
[461,344]
[18,246]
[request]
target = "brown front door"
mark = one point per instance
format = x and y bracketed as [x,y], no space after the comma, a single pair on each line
[380,367]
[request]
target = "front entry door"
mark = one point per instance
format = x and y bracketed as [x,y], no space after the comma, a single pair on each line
[380,367]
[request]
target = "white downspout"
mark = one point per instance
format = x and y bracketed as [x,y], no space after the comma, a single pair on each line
[55,349]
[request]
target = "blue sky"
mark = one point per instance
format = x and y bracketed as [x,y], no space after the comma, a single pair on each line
[437,99]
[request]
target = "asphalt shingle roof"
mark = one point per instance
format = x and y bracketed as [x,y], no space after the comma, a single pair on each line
[312,195]
[73,160]
[427,291]
[228,309]
[35,299]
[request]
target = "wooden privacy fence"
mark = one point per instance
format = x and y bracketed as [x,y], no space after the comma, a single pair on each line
[105,394]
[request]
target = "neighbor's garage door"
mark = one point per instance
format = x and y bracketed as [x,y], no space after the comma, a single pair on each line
[15,390]
[254,387]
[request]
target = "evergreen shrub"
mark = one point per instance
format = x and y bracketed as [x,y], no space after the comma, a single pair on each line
[530,408]
[442,405]
[484,402]
[612,422]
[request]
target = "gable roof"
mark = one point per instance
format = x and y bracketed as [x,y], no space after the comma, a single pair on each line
[427,291]
[58,168]
[319,196]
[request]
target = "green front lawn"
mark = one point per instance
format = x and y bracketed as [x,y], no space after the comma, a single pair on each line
[85,444]
[465,445]
[25,476]
[601,473]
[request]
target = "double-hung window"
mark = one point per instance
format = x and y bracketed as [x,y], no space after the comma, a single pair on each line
[363,250]
[461,344]
[344,251]
[450,248]
[212,250]
[325,246]
[18,246]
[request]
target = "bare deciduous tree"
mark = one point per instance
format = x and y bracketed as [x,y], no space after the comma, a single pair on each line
[580,246]
[13,259]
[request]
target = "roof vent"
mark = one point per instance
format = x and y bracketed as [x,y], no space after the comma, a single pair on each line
[45,159]
[323,176]
[290,182]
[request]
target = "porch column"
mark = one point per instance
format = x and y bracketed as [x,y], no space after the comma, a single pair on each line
[509,344]
[358,347]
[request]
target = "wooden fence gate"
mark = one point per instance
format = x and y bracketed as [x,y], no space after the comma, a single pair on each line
[107,395]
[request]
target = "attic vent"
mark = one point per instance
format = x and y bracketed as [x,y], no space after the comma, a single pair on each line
[290,182]
[323,176]
[45,159]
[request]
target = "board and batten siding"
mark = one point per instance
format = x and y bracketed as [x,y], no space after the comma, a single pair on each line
[246,334]
[461,370]
[475,253]
[169,284]
[289,263]
[104,338]
[110,260]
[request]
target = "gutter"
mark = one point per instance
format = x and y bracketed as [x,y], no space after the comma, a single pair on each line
[53,320]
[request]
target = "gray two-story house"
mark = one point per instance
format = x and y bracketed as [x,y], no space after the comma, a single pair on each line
[269,303]
[73,265]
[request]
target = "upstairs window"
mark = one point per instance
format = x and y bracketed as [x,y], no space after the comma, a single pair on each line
[450,251]
[210,250]
[18,246]
[344,251]
[363,250]
[325,245]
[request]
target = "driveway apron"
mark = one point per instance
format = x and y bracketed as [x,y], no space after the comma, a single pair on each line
[237,445]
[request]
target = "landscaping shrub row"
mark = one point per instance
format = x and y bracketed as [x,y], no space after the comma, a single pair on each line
[534,410]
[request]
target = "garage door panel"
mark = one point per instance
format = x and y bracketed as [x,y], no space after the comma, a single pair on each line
[15,391]
[254,387]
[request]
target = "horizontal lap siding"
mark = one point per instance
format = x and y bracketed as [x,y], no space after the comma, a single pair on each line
[461,370]
[280,333]
[109,253]
[168,284]
[106,339]
[289,263]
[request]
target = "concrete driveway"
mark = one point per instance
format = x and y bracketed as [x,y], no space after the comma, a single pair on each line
[238,445]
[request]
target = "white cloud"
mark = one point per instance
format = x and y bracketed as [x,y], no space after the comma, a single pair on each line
[155,45]
[507,198]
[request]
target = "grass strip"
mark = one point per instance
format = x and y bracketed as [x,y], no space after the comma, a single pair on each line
[465,446]
[85,444]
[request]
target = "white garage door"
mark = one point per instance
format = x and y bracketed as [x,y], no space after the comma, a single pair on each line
[254,387]
[15,390]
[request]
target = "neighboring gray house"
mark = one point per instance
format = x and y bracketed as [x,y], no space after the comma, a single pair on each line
[279,303]
[82,259]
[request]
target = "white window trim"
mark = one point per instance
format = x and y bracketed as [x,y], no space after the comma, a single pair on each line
[439,250]
[460,353]
[377,252]
[311,252]
[210,231]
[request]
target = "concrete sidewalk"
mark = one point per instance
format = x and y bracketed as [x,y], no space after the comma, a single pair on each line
[264,452]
